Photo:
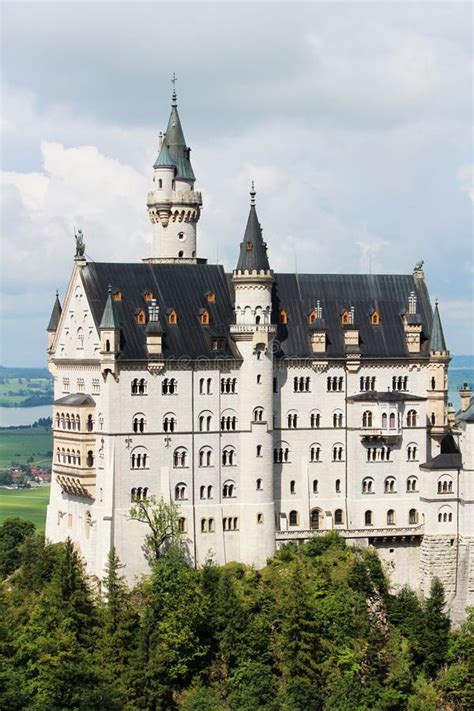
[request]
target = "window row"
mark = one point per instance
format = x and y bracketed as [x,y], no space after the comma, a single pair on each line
[228,386]
[368,485]
[400,382]
[73,457]
[367,383]
[139,494]
[301,384]
[413,518]
[379,454]
[281,453]
[81,386]
[229,491]
[315,518]
[65,421]
[335,384]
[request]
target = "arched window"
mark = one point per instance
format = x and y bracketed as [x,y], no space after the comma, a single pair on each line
[139,458]
[205,457]
[315,419]
[169,422]
[281,453]
[283,317]
[384,420]
[169,386]
[315,519]
[368,518]
[292,419]
[445,485]
[392,421]
[228,457]
[210,525]
[390,517]
[412,516]
[228,421]
[205,421]
[138,422]
[315,452]
[180,457]
[412,484]
[180,492]
[293,518]
[338,486]
[375,318]
[229,489]
[202,492]
[315,486]
[367,419]
[367,485]
[259,484]
[90,458]
[411,418]
[337,419]
[338,517]
[337,452]
[389,485]
[259,450]
[258,414]
[412,452]
[182,525]
[203,525]
[292,487]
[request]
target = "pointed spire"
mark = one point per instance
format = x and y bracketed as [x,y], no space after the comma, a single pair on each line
[164,159]
[253,250]
[110,319]
[437,342]
[175,143]
[55,315]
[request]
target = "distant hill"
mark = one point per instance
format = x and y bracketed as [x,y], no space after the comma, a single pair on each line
[6,372]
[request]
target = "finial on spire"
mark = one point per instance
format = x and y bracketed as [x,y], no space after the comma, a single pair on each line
[174,79]
[436,302]
[252,193]
[109,289]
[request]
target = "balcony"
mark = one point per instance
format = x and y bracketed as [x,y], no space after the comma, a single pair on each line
[253,328]
[385,434]
[370,532]
[189,197]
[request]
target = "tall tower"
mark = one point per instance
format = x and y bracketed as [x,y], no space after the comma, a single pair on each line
[173,205]
[253,333]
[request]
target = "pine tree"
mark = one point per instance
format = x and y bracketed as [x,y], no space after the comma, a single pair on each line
[437,625]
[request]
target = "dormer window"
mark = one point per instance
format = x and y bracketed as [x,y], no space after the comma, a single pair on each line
[148,296]
[283,317]
[211,297]
[345,318]
[118,296]
[375,318]
[204,317]
[311,317]
[140,317]
[172,317]
[249,246]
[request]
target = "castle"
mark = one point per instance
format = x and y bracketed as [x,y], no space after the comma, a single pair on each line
[270,407]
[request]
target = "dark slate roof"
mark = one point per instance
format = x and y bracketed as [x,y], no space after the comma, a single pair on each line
[253,250]
[55,315]
[75,399]
[297,294]
[449,457]
[110,319]
[180,286]
[176,145]
[184,286]
[164,159]
[437,342]
[444,461]
[386,396]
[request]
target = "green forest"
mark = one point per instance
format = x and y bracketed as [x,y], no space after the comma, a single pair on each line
[315,629]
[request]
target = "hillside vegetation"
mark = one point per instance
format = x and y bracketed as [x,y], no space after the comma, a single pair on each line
[316,629]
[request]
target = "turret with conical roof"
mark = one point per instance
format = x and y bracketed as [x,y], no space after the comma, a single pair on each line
[437,391]
[54,321]
[253,250]
[174,207]
[437,342]
[109,330]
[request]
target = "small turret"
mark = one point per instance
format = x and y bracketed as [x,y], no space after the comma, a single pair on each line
[54,321]
[437,405]
[253,250]
[109,330]
[437,342]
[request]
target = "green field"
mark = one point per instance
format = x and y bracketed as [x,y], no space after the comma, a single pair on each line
[18,445]
[25,387]
[25,503]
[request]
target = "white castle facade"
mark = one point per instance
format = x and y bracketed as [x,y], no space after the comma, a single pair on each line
[270,407]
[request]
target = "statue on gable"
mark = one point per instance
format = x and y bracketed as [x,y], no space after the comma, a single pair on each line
[419,266]
[80,246]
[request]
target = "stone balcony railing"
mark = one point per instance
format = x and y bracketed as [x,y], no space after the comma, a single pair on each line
[253,328]
[189,197]
[386,433]
[369,532]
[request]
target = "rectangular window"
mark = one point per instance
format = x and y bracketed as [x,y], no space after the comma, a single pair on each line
[96,386]
[66,385]
[80,385]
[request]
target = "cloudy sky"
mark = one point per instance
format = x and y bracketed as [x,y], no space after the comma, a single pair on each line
[354,119]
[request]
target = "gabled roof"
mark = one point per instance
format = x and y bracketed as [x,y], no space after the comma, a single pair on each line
[253,250]
[466,415]
[55,315]
[449,457]
[437,342]
[109,317]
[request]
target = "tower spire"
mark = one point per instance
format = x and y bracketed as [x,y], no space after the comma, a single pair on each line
[174,98]
[437,342]
[253,250]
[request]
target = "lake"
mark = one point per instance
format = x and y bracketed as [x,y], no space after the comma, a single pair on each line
[14,416]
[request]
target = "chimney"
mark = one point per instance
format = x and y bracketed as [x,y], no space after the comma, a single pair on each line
[465,393]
